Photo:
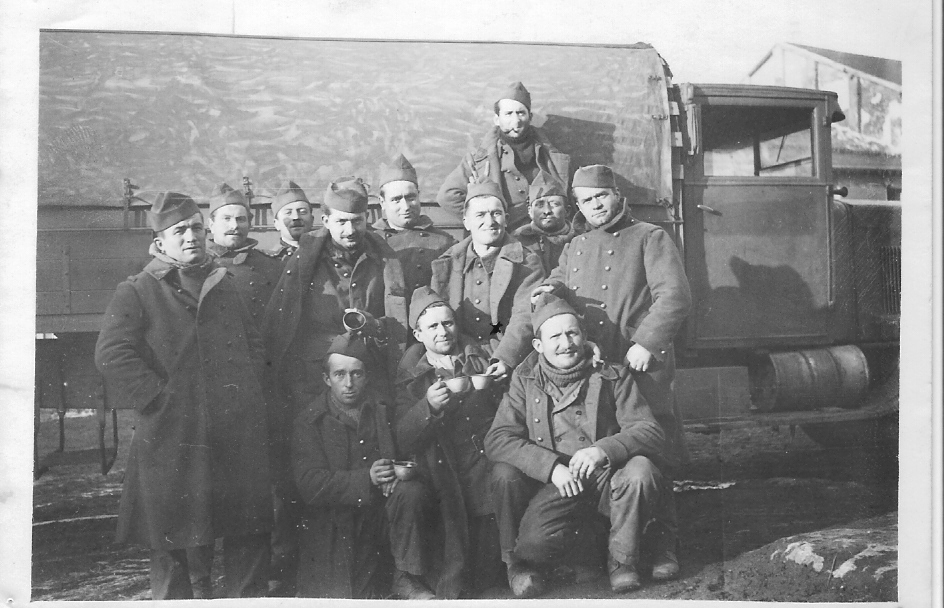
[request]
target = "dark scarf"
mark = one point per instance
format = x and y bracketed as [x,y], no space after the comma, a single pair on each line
[350,256]
[523,147]
[565,378]
[191,276]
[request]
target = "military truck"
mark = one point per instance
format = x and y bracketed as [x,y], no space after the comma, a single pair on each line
[797,291]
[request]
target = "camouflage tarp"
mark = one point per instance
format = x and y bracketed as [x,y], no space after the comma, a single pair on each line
[186,112]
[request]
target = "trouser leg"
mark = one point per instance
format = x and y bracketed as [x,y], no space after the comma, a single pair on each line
[633,499]
[408,516]
[548,529]
[170,578]
[284,541]
[246,565]
[200,565]
[511,492]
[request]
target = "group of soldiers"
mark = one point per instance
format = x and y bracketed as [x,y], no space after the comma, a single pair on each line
[313,405]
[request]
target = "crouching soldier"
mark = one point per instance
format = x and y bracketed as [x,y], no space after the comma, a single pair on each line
[568,440]
[342,461]
[446,430]
[179,346]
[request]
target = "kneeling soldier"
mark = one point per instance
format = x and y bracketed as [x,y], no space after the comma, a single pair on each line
[342,460]
[446,430]
[569,439]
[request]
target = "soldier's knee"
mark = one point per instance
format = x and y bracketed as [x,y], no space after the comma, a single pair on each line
[638,476]
[412,492]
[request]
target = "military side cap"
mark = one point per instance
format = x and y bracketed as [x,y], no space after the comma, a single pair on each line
[288,192]
[545,185]
[519,93]
[224,195]
[347,194]
[548,305]
[594,176]
[170,208]
[485,189]
[399,170]
[423,298]
[348,345]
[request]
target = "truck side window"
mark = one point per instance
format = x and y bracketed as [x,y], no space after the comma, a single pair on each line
[745,141]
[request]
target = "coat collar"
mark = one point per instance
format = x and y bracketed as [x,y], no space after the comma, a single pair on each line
[467,348]
[511,250]
[622,220]
[528,368]
[532,230]
[423,223]
[238,255]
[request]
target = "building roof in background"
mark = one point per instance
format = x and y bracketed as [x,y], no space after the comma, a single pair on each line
[849,140]
[886,69]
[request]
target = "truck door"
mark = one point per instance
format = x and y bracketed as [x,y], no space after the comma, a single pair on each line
[758,217]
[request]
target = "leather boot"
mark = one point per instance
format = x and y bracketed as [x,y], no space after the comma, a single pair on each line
[409,587]
[623,577]
[524,581]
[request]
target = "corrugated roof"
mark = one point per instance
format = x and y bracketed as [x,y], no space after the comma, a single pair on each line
[886,69]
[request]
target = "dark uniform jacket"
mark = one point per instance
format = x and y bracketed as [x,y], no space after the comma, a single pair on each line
[449,447]
[628,282]
[198,467]
[416,248]
[335,489]
[547,246]
[528,432]
[494,161]
[254,272]
[282,251]
[295,349]
[504,331]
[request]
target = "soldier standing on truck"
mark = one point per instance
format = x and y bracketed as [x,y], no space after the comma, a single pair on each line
[627,281]
[550,229]
[291,216]
[410,233]
[511,154]
[179,346]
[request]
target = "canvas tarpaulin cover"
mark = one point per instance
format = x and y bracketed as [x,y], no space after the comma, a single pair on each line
[187,112]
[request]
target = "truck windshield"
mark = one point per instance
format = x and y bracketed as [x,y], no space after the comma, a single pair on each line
[757,141]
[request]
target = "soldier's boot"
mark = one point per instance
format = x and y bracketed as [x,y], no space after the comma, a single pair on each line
[524,580]
[623,577]
[409,587]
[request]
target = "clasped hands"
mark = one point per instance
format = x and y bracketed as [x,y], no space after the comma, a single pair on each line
[569,479]
[383,476]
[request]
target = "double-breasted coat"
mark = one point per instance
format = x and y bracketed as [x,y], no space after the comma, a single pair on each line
[334,489]
[494,161]
[505,333]
[627,280]
[190,367]
[547,246]
[442,444]
[621,422]
[254,273]
[416,248]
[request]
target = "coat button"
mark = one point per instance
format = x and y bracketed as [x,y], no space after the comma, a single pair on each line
[537,400]
[601,322]
[616,234]
[540,439]
[610,252]
[574,287]
[558,438]
[478,301]
[537,420]
[583,238]
[361,442]
[345,274]
[578,412]
[606,268]
[579,253]
[478,281]
[581,439]
[336,265]
[252,282]
[603,287]
[603,305]
[517,179]
[478,318]
[575,269]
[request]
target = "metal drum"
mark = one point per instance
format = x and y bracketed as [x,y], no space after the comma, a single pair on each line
[837,376]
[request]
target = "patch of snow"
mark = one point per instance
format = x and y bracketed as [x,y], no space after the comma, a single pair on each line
[880,572]
[802,553]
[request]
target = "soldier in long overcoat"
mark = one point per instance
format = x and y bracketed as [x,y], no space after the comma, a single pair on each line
[446,435]
[337,267]
[490,291]
[511,155]
[179,346]
[626,279]
[408,232]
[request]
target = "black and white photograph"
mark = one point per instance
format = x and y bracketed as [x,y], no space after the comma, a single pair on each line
[410,301]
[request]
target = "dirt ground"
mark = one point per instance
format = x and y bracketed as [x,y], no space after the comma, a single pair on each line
[742,490]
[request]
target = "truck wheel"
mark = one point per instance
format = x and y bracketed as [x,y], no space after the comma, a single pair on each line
[876,433]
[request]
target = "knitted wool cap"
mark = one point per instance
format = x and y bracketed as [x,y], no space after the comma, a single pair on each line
[594,176]
[519,93]
[398,170]
[347,194]
[170,208]
[423,298]
[224,195]
[348,345]
[548,305]
[545,185]
[288,192]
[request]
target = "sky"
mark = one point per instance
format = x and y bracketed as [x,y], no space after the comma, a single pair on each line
[703,41]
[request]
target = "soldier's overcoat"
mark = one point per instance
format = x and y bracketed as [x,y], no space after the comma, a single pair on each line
[628,282]
[517,272]
[416,248]
[198,467]
[547,246]
[254,272]
[494,161]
